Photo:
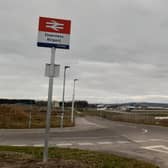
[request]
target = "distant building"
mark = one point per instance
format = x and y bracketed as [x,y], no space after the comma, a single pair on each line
[56,104]
[101,107]
[127,108]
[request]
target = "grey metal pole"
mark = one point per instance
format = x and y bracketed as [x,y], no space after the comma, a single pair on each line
[49,106]
[63,96]
[30,118]
[73,101]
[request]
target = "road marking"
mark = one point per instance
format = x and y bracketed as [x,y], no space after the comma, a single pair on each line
[150,140]
[123,142]
[20,145]
[89,138]
[38,145]
[64,144]
[144,130]
[155,139]
[85,144]
[131,126]
[140,141]
[164,140]
[157,148]
[104,143]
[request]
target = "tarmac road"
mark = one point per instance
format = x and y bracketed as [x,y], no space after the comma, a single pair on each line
[131,140]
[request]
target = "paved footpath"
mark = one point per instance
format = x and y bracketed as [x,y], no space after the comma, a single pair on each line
[131,140]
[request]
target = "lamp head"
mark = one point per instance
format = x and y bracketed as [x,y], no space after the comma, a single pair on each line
[66,67]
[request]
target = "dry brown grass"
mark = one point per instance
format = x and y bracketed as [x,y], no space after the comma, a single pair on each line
[17,116]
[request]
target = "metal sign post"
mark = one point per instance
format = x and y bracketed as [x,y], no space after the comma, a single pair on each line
[73,102]
[63,95]
[49,106]
[30,118]
[53,33]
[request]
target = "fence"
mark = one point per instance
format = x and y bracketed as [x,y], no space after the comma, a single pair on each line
[136,116]
[19,116]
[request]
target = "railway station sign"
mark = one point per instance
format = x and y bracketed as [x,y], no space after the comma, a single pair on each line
[54,32]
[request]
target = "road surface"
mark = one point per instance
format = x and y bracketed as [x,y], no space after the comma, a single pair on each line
[131,140]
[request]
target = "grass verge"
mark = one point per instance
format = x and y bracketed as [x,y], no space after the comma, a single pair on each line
[66,158]
[138,117]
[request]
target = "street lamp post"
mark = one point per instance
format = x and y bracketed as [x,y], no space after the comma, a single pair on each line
[63,95]
[73,101]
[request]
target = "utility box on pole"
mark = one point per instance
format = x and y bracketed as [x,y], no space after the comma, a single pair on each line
[52,73]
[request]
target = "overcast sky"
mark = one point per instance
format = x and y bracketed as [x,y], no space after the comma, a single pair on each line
[118,50]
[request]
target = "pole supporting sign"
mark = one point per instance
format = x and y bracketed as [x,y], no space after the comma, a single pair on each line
[54,33]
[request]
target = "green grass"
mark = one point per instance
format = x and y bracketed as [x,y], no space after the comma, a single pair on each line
[88,158]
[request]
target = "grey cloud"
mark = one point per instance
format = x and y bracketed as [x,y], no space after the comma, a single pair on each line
[118,49]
